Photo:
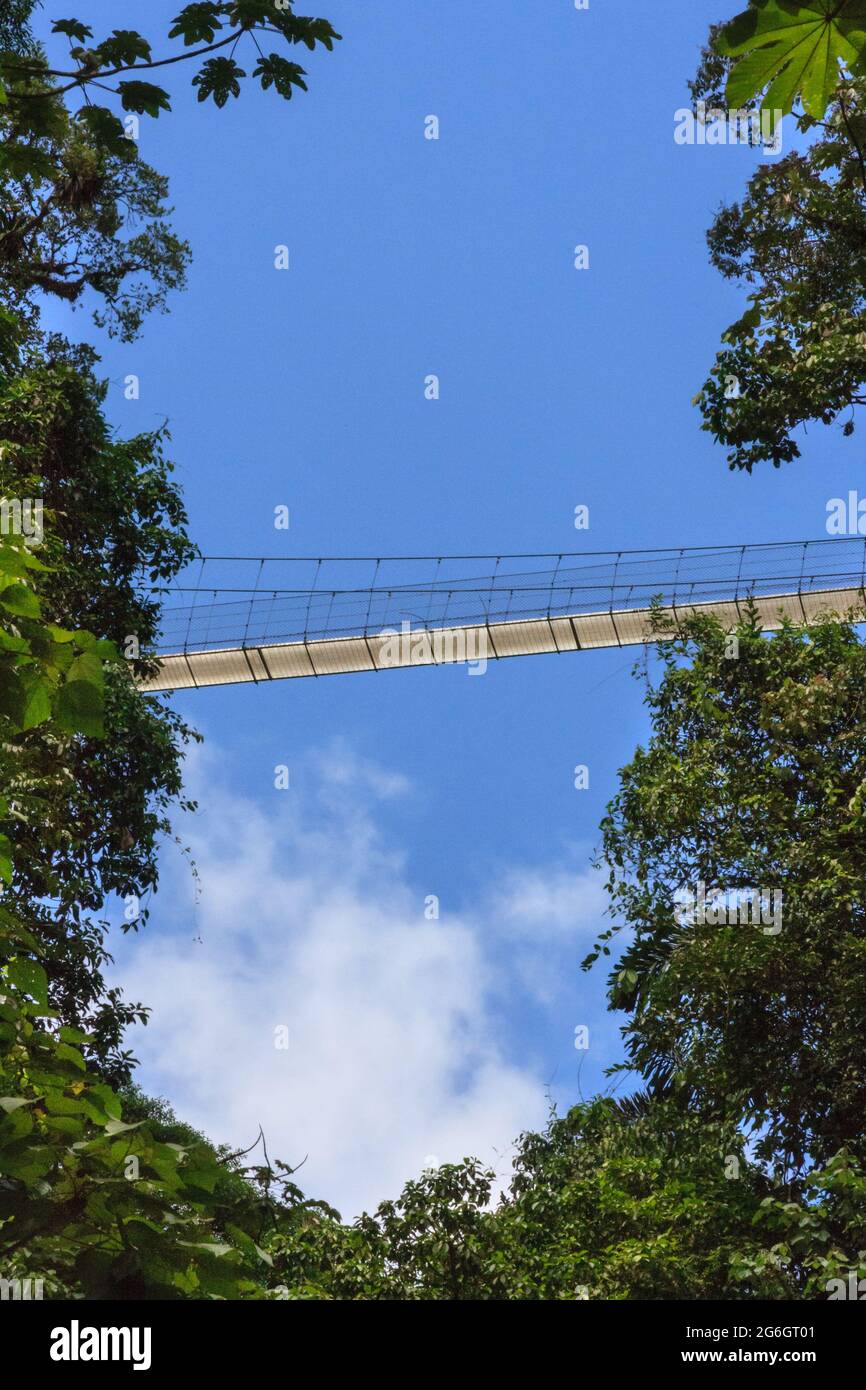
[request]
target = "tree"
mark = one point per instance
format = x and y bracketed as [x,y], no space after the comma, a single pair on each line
[204,28]
[636,1200]
[114,531]
[15,35]
[89,767]
[72,181]
[70,185]
[94,1204]
[798,240]
[66,199]
[736,856]
[619,1201]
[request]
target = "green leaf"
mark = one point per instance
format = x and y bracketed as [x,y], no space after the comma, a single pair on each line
[70,1125]
[118,1127]
[11,559]
[248,1245]
[23,161]
[123,48]
[18,599]
[73,28]
[65,1053]
[10,1103]
[143,98]
[281,74]
[788,49]
[37,700]
[251,12]
[28,977]
[106,130]
[87,667]
[5,859]
[218,79]
[197,23]
[79,708]
[58,1104]
[27,1162]
[75,1036]
[104,1098]
[209,1247]
[299,29]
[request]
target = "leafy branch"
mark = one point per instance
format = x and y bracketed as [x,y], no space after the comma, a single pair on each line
[203,27]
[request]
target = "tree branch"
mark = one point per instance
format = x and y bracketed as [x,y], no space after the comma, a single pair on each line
[81,78]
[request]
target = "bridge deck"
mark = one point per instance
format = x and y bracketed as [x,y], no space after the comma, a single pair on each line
[420,646]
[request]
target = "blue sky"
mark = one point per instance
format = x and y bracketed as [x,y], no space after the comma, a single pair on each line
[306,388]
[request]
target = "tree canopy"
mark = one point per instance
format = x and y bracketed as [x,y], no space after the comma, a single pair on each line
[796,239]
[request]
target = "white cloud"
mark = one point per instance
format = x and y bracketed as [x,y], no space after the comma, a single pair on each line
[307,922]
[556,903]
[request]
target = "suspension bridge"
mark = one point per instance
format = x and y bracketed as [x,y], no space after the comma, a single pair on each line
[238,619]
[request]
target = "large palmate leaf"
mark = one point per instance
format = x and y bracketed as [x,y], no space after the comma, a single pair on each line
[218,78]
[793,48]
[124,48]
[143,97]
[73,28]
[197,23]
[279,72]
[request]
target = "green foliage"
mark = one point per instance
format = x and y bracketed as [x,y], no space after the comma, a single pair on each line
[69,186]
[608,1202]
[30,84]
[612,1204]
[93,811]
[787,49]
[73,29]
[15,35]
[798,241]
[143,97]
[70,183]
[281,73]
[218,78]
[100,1206]
[100,1200]
[753,779]
[197,23]
[45,672]
[434,1242]
[123,49]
